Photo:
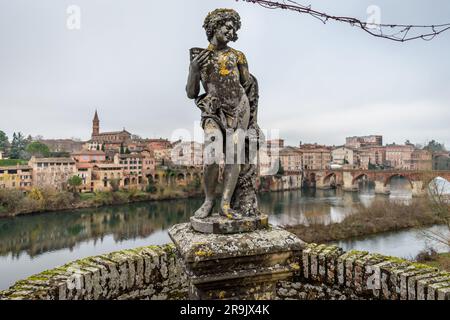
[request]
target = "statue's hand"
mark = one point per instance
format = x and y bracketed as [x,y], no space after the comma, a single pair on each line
[199,61]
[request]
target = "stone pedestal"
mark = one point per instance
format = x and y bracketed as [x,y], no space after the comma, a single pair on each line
[238,266]
[221,225]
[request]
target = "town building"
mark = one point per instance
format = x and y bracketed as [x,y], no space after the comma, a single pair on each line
[148,163]
[187,153]
[162,149]
[421,160]
[441,161]
[275,145]
[16,177]
[104,175]
[89,156]
[63,145]
[370,157]
[291,160]
[399,156]
[315,157]
[52,172]
[363,141]
[132,167]
[84,171]
[114,137]
[158,144]
[344,156]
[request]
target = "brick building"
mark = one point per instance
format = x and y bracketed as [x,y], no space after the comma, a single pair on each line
[52,171]
[315,157]
[104,173]
[291,160]
[89,156]
[132,167]
[421,160]
[16,177]
[114,137]
[399,156]
[363,141]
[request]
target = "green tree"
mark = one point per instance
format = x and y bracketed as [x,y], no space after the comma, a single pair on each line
[280,168]
[18,145]
[127,151]
[4,142]
[434,146]
[115,184]
[122,151]
[74,182]
[38,149]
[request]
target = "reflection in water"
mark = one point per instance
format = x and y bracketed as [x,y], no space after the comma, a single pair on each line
[406,244]
[31,244]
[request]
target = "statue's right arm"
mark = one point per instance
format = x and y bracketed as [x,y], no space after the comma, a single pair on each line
[193,83]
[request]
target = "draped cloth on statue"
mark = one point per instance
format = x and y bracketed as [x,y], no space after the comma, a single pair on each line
[244,197]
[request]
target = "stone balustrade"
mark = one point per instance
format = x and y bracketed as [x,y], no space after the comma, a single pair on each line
[143,273]
[158,272]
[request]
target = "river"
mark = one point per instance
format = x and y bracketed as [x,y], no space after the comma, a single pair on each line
[31,244]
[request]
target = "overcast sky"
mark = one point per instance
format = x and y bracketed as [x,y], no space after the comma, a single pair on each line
[318,83]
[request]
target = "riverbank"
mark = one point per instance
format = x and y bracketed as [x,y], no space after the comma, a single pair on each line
[432,258]
[380,216]
[15,203]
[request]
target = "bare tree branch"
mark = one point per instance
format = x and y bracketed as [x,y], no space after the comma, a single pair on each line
[397,32]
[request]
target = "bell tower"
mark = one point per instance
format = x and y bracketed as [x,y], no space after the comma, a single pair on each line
[95,125]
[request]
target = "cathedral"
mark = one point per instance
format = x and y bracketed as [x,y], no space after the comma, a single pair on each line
[114,137]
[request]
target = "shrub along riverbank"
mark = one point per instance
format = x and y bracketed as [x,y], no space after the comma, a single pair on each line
[15,202]
[380,216]
[434,259]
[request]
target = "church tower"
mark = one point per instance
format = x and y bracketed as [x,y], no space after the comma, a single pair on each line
[95,125]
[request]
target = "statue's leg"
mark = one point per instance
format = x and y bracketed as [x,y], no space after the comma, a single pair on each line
[232,170]
[231,175]
[210,177]
[213,150]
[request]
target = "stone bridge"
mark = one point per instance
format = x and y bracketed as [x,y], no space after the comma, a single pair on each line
[348,179]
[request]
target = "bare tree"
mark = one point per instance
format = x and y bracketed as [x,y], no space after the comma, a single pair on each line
[439,198]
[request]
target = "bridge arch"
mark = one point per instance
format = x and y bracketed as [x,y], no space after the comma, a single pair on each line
[388,179]
[359,176]
[329,178]
[438,186]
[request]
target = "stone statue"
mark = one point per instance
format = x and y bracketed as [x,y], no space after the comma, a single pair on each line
[229,113]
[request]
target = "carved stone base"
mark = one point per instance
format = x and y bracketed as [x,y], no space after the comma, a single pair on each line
[239,266]
[221,225]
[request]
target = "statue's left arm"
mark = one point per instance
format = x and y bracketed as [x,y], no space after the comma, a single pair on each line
[245,77]
[250,84]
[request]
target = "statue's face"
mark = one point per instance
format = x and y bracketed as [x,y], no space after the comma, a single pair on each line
[225,33]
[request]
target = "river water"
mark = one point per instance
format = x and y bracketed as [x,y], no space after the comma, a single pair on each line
[31,244]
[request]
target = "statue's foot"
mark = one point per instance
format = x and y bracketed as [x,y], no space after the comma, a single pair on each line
[227,212]
[205,210]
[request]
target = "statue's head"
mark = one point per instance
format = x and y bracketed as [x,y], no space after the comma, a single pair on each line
[224,23]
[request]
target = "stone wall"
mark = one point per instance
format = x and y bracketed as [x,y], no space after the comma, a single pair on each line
[143,273]
[329,273]
[324,272]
